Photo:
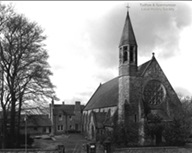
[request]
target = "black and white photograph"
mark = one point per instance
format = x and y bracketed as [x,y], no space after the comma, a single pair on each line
[95,76]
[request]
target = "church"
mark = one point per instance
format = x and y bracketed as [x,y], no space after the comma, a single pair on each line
[140,87]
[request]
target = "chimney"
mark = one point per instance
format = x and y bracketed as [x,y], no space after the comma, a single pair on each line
[63,103]
[78,106]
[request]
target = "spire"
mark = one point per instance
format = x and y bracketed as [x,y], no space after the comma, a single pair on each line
[128,36]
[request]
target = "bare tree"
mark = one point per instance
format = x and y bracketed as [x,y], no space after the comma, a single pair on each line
[25,72]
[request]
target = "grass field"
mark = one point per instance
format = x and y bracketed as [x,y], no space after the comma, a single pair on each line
[73,143]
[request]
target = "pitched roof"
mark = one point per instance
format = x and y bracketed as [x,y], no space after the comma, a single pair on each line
[142,68]
[128,36]
[36,110]
[36,120]
[106,94]
[67,109]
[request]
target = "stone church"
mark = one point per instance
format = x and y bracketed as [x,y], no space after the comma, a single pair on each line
[136,87]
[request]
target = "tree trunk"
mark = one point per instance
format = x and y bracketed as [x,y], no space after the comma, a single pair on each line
[4,129]
[12,124]
[19,121]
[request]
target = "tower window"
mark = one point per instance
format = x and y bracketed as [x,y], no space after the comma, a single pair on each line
[124,56]
[131,53]
[125,48]
[131,47]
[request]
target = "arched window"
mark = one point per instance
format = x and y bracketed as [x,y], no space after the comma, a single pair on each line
[124,56]
[131,55]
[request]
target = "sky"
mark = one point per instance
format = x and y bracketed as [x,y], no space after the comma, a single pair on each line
[83,38]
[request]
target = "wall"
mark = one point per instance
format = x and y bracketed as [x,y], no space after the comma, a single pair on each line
[28,151]
[153,150]
[86,117]
[36,130]
[172,104]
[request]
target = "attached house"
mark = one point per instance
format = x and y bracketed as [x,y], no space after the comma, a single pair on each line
[36,124]
[66,118]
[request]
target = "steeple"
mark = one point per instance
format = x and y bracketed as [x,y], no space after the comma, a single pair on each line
[128,36]
[127,71]
[128,50]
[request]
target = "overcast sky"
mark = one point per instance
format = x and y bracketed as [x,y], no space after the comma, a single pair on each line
[83,38]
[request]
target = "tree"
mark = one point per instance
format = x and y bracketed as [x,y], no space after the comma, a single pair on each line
[177,132]
[154,127]
[25,72]
[126,133]
[187,105]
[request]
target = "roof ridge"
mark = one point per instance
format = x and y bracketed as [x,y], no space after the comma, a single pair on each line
[110,80]
[149,62]
[93,95]
[101,95]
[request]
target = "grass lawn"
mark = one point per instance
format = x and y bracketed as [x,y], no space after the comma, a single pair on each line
[73,143]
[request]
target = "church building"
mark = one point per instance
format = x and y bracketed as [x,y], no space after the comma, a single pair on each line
[139,87]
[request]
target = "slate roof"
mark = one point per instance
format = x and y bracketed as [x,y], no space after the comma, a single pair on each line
[106,94]
[67,109]
[36,121]
[143,67]
[128,36]
[36,110]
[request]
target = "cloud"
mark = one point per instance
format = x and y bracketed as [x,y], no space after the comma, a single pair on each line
[183,92]
[158,29]
[105,35]
[154,34]
[155,30]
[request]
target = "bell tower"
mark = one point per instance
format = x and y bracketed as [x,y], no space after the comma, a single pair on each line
[127,50]
[127,68]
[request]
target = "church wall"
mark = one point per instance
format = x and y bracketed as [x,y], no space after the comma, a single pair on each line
[88,122]
[171,104]
[123,96]
[91,127]
[129,94]
[105,109]
[135,96]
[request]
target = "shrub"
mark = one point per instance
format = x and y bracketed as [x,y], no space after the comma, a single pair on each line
[153,128]
[126,134]
[177,131]
[29,140]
